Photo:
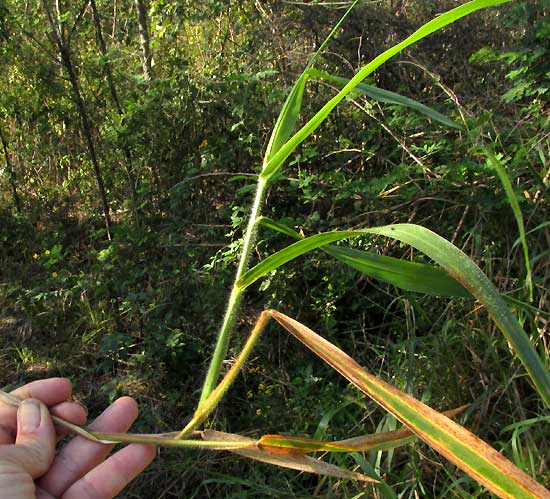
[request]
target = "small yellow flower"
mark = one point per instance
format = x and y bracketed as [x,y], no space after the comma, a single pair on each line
[261,387]
[203,144]
[47,252]
[36,256]
[258,412]
[249,394]
[54,275]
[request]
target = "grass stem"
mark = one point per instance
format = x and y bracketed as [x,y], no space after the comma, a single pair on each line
[233,303]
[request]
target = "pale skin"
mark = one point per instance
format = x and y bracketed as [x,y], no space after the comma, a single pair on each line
[29,465]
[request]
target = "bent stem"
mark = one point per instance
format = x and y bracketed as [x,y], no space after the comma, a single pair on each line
[172,439]
[212,401]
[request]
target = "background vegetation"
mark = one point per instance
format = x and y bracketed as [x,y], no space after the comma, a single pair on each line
[131,132]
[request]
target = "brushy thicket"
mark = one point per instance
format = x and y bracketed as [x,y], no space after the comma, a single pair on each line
[138,314]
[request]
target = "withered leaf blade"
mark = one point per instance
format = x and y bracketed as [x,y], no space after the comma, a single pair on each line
[299,462]
[461,447]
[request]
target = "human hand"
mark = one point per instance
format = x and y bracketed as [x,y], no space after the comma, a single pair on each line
[29,467]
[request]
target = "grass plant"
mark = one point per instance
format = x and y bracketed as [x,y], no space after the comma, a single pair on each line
[455,275]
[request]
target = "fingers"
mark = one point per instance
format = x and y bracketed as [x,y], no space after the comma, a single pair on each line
[78,472]
[79,456]
[50,391]
[35,443]
[69,411]
[109,478]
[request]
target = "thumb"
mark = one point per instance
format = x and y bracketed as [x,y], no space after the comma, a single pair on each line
[34,447]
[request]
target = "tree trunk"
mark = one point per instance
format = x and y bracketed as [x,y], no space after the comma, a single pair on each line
[11,173]
[114,95]
[87,130]
[60,40]
[144,39]
[146,61]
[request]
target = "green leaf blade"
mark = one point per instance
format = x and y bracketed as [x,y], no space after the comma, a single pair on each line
[289,253]
[514,204]
[411,276]
[286,122]
[387,97]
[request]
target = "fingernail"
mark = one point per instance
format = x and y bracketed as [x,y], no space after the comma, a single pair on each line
[29,415]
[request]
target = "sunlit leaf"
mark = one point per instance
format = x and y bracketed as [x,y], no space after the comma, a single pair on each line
[276,161]
[455,262]
[295,250]
[412,276]
[286,122]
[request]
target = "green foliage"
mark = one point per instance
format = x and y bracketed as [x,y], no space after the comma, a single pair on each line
[528,63]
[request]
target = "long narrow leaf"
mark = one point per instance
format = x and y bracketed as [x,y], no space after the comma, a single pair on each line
[464,270]
[386,96]
[298,462]
[513,200]
[454,442]
[278,227]
[378,441]
[289,253]
[287,117]
[275,163]
[412,276]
